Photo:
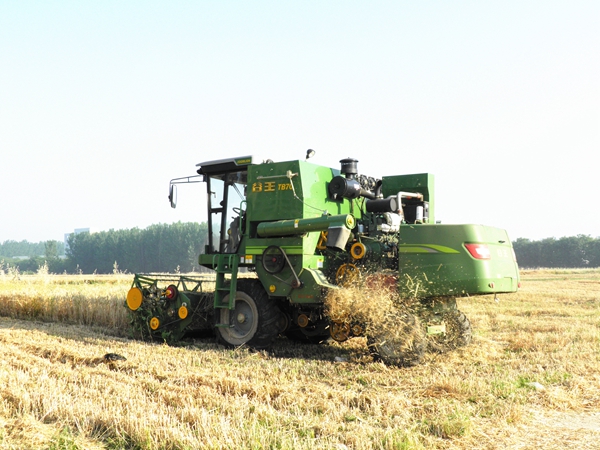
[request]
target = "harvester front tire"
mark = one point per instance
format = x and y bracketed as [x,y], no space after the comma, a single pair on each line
[252,322]
[399,341]
[458,332]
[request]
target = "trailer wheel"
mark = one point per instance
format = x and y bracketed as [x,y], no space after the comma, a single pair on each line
[399,341]
[458,332]
[253,321]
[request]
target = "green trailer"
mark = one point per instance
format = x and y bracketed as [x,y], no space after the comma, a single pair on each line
[283,235]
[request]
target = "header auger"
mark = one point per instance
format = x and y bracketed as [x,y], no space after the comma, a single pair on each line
[284,237]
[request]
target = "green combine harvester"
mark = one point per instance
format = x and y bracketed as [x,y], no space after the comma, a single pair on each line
[283,235]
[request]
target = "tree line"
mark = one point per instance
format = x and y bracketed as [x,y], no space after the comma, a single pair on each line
[579,251]
[158,248]
[175,247]
[20,249]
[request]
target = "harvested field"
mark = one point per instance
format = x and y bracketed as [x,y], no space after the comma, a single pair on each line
[529,380]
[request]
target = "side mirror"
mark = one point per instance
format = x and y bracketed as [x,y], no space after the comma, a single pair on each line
[173,195]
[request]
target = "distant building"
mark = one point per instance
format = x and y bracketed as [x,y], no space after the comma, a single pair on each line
[76,231]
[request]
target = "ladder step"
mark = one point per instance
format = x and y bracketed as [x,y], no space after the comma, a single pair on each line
[226,265]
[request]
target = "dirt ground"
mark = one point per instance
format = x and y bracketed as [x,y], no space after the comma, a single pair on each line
[550,430]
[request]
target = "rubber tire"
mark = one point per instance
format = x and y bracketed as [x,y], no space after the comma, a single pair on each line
[458,332]
[395,350]
[260,328]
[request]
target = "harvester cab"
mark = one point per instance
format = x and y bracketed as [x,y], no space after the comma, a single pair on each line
[284,236]
[226,182]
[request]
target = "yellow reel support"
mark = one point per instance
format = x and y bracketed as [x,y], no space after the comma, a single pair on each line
[182,312]
[357,330]
[358,250]
[347,274]
[340,331]
[134,298]
[322,241]
[154,323]
[302,321]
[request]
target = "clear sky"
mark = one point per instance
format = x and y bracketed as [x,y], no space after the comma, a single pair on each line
[102,103]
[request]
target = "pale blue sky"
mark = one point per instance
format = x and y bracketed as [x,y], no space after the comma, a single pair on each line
[102,103]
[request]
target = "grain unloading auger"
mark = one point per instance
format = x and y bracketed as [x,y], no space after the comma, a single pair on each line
[283,236]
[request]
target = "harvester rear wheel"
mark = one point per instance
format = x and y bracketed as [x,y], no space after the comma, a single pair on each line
[458,332]
[253,321]
[399,341]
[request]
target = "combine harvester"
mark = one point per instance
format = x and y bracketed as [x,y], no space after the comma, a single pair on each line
[282,236]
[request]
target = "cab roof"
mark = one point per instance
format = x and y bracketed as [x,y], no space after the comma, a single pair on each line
[224,165]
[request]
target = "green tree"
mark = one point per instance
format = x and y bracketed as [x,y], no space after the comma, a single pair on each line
[158,248]
[569,252]
[51,250]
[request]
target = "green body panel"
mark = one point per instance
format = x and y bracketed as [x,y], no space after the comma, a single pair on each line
[281,283]
[433,261]
[271,196]
[258,248]
[285,207]
[315,284]
[422,183]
